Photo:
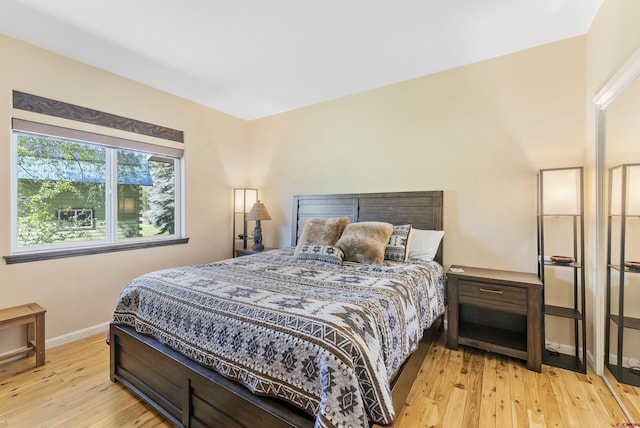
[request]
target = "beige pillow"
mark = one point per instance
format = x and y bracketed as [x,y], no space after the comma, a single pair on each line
[424,244]
[321,231]
[365,242]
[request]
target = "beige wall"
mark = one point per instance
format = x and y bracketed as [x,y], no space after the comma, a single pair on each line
[81,292]
[478,132]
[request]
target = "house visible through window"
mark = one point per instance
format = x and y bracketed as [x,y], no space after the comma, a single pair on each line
[76,193]
[75,218]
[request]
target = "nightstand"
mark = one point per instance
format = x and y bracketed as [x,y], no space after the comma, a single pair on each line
[495,310]
[248,251]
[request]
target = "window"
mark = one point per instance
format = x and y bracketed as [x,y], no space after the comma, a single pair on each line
[75,218]
[75,189]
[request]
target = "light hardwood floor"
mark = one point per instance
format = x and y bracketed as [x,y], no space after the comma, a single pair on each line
[467,388]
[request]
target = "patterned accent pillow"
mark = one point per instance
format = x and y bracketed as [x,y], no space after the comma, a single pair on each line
[398,244]
[322,253]
[321,231]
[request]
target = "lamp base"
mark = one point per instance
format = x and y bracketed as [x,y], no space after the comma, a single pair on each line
[257,237]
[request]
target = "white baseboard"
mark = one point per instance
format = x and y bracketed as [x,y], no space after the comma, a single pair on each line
[62,340]
[626,361]
[77,335]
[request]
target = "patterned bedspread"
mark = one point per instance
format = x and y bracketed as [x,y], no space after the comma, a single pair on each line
[325,338]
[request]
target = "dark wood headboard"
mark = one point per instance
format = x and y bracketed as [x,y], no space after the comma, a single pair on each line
[423,209]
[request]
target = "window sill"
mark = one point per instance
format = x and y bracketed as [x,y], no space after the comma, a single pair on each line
[59,254]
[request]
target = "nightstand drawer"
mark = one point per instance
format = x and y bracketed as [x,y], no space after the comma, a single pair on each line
[493,296]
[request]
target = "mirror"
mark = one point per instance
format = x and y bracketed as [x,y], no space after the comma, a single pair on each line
[618,142]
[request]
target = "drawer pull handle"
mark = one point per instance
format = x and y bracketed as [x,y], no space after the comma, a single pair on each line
[486,290]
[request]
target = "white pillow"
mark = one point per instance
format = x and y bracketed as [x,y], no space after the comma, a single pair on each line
[423,244]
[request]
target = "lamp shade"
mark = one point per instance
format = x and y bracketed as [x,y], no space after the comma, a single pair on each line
[243,199]
[258,212]
[615,203]
[561,190]
[631,189]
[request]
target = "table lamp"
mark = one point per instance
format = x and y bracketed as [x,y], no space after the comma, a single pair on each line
[258,212]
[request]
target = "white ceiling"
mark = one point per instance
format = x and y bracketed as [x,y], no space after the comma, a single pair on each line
[255,58]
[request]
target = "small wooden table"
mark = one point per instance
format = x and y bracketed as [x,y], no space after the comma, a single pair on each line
[495,310]
[32,315]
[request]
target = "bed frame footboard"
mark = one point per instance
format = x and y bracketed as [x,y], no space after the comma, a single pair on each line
[191,395]
[188,394]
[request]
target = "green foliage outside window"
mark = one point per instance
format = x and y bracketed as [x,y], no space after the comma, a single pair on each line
[160,197]
[59,183]
[43,164]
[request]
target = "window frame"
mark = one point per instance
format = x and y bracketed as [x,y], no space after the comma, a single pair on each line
[111,242]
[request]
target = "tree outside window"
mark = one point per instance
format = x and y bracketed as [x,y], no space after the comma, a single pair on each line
[63,195]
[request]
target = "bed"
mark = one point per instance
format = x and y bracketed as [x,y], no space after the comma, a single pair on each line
[335,377]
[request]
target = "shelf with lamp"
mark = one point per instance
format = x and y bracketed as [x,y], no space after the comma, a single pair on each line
[247,208]
[243,200]
[561,264]
[623,275]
